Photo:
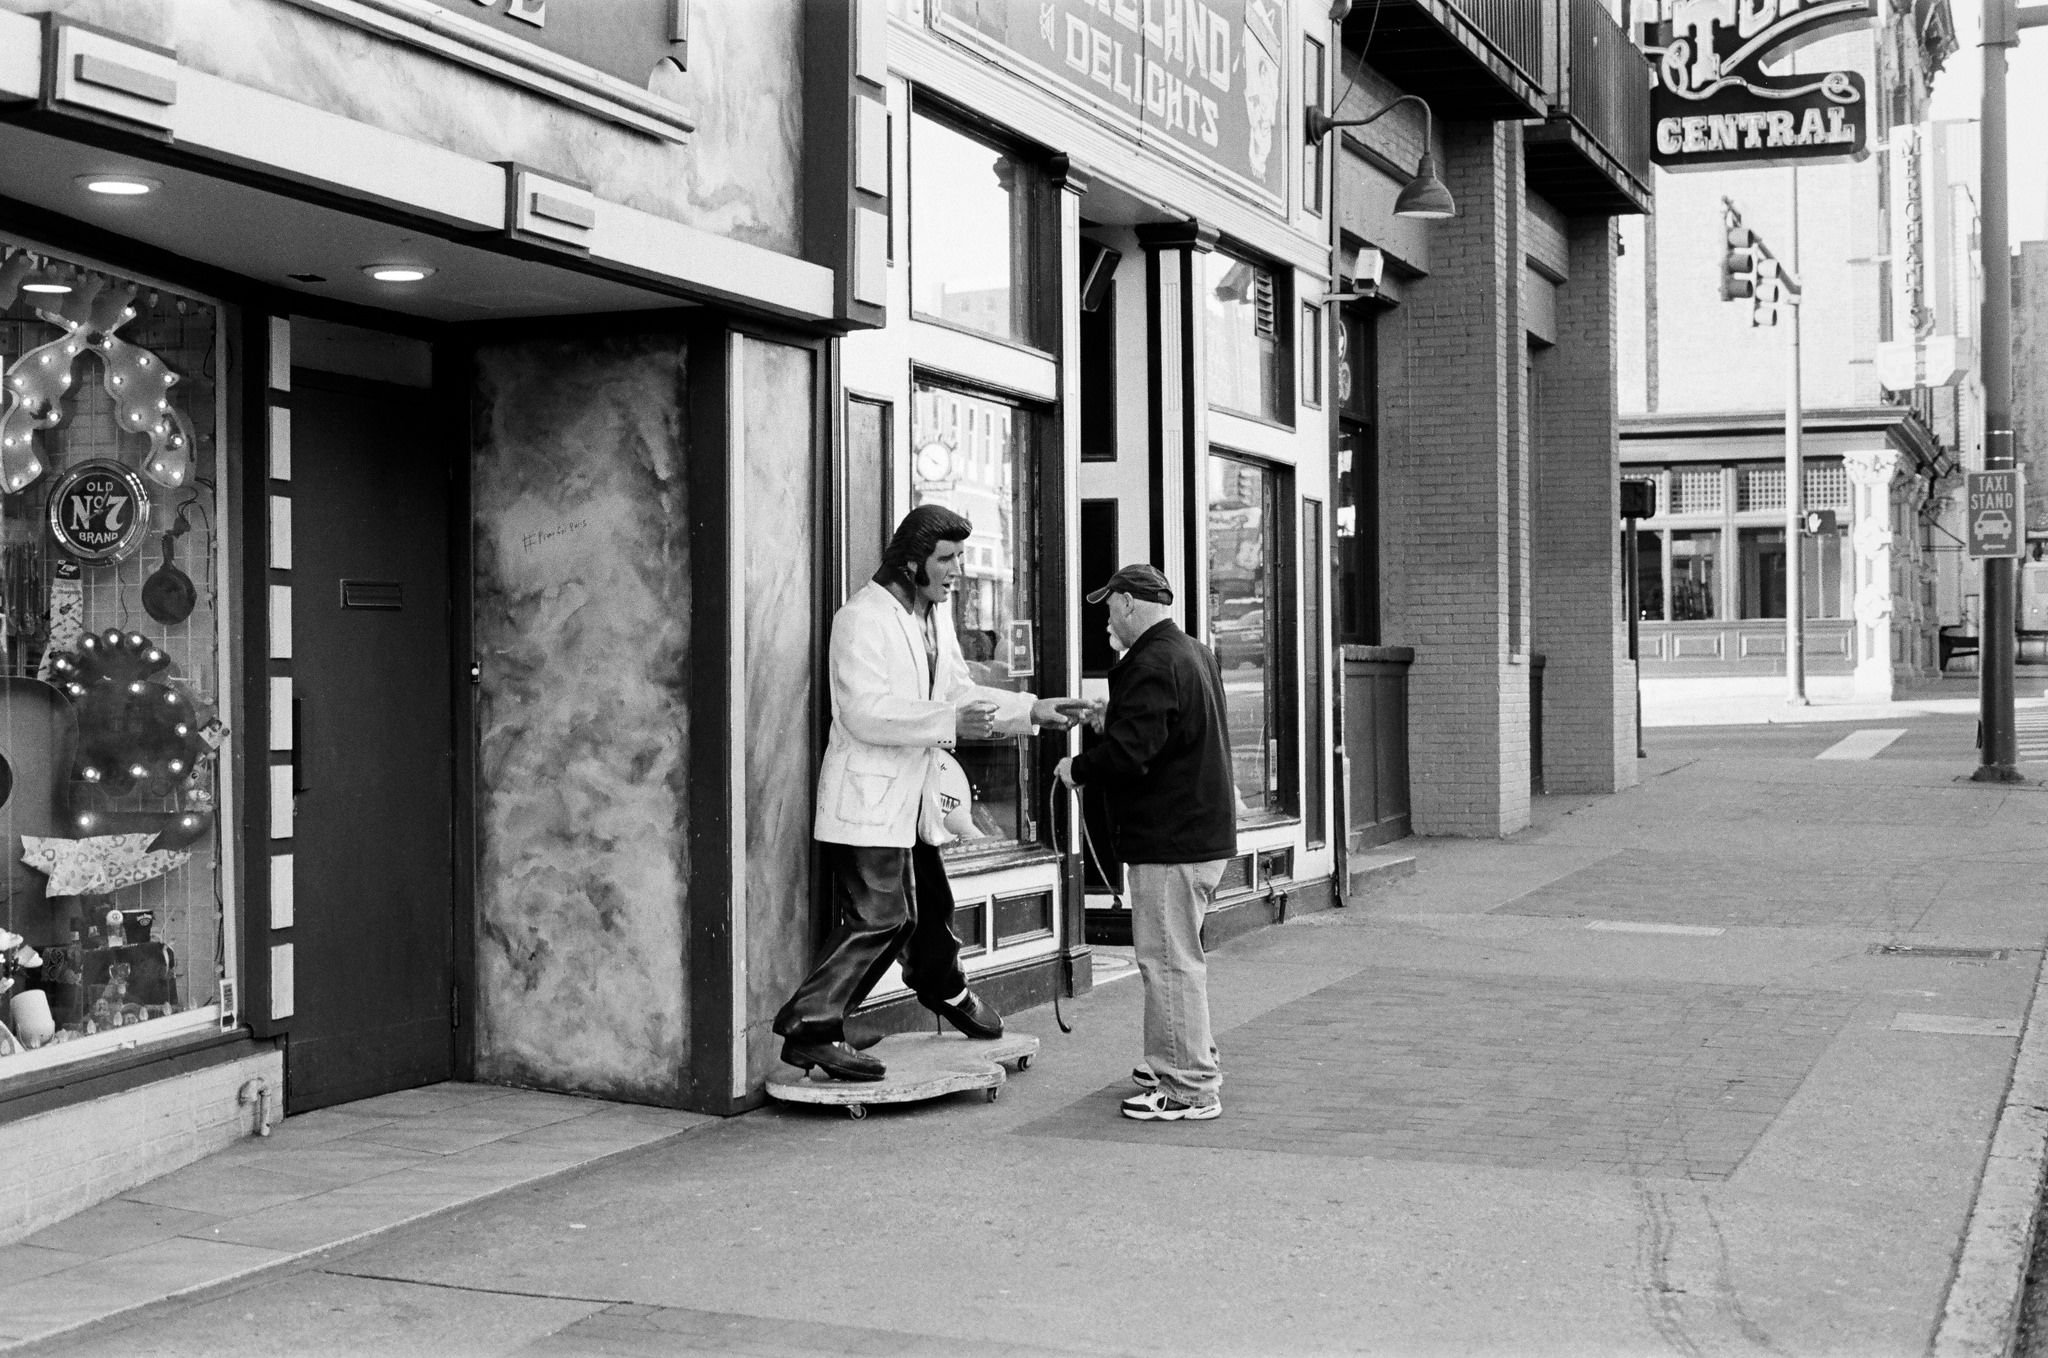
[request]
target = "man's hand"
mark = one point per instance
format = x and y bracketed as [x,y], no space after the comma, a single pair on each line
[1064,771]
[1048,712]
[975,721]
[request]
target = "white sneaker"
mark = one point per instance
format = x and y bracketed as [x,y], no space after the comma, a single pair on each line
[1143,1078]
[1159,1106]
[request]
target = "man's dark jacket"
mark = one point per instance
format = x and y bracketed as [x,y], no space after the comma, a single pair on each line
[1164,756]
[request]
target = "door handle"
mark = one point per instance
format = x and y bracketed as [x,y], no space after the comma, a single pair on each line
[299,783]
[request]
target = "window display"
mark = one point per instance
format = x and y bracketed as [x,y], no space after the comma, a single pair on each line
[971,454]
[113,922]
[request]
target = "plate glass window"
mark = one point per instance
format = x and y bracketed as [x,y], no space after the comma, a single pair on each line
[114,926]
[1245,606]
[1695,574]
[1356,617]
[1245,350]
[971,232]
[972,454]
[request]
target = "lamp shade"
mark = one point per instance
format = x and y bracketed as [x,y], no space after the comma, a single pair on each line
[1425,196]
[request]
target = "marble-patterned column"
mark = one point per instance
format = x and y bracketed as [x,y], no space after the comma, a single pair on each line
[775,461]
[583,602]
[1870,477]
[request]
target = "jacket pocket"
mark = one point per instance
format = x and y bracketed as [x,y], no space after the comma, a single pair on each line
[862,794]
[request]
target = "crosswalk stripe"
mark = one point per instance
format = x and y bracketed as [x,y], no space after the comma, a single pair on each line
[2030,729]
[1861,744]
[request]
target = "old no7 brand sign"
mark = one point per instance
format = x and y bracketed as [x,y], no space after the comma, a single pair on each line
[1994,518]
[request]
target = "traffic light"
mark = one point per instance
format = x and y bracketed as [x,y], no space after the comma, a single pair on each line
[1739,265]
[1767,293]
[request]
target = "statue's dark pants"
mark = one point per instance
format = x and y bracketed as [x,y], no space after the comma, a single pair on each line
[885,901]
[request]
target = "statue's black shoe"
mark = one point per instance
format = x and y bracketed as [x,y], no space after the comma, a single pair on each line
[836,1059]
[971,1016]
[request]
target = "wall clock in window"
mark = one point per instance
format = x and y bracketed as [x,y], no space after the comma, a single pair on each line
[99,511]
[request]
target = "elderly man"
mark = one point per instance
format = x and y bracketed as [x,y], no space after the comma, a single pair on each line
[900,690]
[1164,763]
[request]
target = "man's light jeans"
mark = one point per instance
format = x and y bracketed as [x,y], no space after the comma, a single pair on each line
[1168,901]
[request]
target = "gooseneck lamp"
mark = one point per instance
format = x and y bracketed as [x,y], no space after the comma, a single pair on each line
[1424,197]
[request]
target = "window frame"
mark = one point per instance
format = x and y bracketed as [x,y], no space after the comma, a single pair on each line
[1029,261]
[1039,431]
[233,1009]
[1286,399]
[1283,633]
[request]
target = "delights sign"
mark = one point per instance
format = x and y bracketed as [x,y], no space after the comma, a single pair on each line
[1201,80]
[1713,104]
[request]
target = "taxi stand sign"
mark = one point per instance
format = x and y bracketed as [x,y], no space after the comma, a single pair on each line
[1994,521]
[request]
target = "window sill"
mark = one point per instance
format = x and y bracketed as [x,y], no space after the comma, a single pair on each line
[954,327]
[995,859]
[1267,420]
[1268,820]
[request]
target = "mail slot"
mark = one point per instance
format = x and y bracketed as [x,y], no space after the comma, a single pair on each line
[384,594]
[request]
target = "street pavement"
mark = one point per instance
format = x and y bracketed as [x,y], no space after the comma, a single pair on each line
[1641,1080]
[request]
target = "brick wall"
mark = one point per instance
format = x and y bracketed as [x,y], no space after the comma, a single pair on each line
[1452,358]
[60,1162]
[1588,691]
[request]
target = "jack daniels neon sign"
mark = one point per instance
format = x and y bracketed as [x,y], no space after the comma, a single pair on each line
[1712,105]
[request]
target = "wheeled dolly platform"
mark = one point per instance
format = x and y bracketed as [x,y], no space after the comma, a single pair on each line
[921,1066]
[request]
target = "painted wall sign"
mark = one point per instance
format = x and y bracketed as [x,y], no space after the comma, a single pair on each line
[623,38]
[1200,80]
[1713,106]
[99,511]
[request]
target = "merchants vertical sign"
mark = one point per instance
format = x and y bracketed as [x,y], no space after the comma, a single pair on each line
[1713,105]
[1994,518]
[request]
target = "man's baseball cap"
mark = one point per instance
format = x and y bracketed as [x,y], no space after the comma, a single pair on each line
[1140,582]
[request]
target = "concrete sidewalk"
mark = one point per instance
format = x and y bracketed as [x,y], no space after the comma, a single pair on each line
[1761,701]
[1709,1067]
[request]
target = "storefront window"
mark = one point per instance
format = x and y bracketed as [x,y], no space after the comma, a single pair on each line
[1649,575]
[1695,557]
[970,232]
[972,454]
[113,924]
[1244,624]
[1763,571]
[1242,336]
[1823,582]
[1357,611]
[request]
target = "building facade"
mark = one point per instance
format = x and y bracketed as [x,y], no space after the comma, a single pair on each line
[1884,249]
[428,494]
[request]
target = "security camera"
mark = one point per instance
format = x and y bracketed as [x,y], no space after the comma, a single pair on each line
[1364,283]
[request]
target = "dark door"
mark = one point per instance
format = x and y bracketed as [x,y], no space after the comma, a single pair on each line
[372,839]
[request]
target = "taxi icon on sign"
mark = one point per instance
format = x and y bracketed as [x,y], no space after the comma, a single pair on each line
[1994,525]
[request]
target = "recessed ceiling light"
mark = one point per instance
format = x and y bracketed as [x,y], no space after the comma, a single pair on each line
[397,273]
[46,287]
[120,185]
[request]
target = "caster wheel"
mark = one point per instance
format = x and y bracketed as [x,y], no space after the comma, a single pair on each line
[992,1092]
[1024,1063]
[856,1111]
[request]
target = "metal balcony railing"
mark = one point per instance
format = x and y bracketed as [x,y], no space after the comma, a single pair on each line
[1606,89]
[1513,28]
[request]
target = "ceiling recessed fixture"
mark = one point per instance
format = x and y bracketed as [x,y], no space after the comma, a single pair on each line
[120,185]
[397,273]
[46,287]
[307,277]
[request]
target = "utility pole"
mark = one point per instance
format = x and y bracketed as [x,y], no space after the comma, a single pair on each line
[2000,747]
[1751,271]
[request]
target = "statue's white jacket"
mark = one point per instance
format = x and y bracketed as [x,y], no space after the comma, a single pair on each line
[887,717]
